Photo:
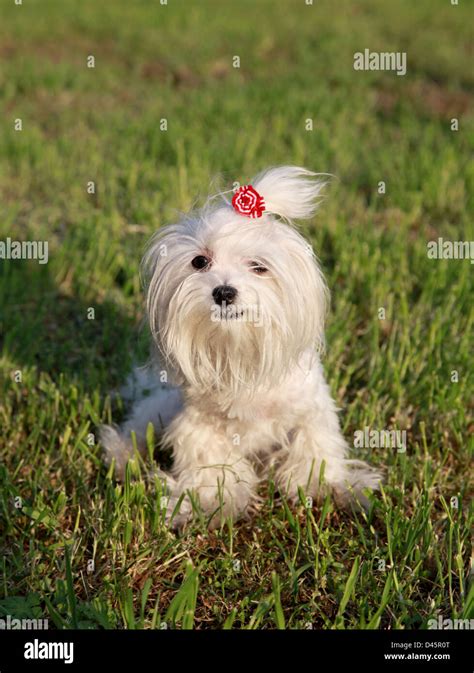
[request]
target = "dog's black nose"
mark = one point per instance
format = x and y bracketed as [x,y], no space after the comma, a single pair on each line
[224,294]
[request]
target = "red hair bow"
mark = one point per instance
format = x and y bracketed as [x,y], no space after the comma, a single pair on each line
[247,201]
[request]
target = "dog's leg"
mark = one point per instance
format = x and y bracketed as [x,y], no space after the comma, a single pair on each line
[208,467]
[316,441]
[158,408]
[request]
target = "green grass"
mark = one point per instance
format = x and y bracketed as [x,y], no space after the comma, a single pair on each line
[407,560]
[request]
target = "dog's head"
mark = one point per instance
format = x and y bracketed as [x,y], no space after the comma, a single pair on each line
[232,300]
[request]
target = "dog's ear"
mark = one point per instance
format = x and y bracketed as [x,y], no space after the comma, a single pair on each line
[157,271]
[290,191]
[307,294]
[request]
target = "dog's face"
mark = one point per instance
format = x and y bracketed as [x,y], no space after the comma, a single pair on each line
[232,302]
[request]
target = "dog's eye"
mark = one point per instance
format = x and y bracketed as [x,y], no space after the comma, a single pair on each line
[257,268]
[201,262]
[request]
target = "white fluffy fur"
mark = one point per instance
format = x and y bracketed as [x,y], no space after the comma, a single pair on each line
[246,396]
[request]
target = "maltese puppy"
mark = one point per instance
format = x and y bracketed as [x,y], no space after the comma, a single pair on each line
[236,304]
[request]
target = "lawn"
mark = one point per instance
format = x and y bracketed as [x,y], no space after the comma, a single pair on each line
[105,156]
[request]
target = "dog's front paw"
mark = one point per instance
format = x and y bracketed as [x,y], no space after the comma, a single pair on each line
[210,512]
[210,505]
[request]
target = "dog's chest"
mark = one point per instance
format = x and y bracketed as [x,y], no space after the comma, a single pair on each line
[284,404]
[268,422]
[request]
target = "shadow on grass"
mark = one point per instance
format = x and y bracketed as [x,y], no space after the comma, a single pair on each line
[93,343]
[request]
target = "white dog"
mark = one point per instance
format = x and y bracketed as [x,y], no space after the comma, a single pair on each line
[236,305]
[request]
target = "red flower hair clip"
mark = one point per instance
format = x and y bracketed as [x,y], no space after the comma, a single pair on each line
[247,201]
